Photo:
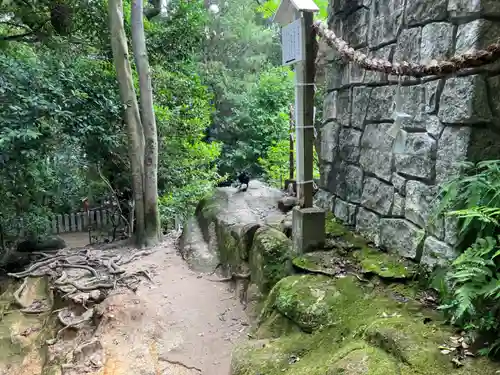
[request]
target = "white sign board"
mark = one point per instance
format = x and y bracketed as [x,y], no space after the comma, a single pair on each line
[292,43]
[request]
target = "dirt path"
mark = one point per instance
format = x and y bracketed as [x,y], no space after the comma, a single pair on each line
[182,323]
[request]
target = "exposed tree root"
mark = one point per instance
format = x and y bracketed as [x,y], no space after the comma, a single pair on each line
[178,363]
[68,323]
[233,277]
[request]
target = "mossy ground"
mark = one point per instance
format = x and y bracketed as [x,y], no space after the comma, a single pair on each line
[338,326]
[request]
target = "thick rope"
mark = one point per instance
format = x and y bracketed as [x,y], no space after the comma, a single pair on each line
[404,68]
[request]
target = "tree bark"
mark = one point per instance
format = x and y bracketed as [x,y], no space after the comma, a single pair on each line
[131,108]
[152,216]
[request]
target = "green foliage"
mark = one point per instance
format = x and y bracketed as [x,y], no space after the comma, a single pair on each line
[276,163]
[259,118]
[186,169]
[472,293]
[251,94]
[269,8]
[472,197]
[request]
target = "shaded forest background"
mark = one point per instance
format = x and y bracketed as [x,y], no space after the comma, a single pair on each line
[221,99]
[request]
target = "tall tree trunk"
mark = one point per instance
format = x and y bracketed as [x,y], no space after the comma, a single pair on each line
[131,107]
[152,216]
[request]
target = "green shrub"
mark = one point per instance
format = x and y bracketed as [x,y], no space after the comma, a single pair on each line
[471,296]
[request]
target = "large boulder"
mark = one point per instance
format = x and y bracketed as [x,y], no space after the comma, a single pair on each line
[41,244]
[270,258]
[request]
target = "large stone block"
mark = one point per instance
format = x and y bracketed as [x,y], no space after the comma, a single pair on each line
[408,45]
[360,101]
[345,211]
[324,199]
[326,173]
[349,182]
[349,142]
[384,53]
[334,72]
[415,155]
[329,141]
[452,149]
[494,92]
[464,101]
[476,35]
[451,230]
[437,41]
[413,100]
[376,150]
[398,206]
[270,258]
[473,8]
[401,236]
[399,183]
[355,27]
[437,253]
[420,207]
[337,106]
[423,11]
[368,224]
[377,196]
[380,105]
[386,20]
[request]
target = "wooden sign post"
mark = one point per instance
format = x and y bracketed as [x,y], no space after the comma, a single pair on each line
[296,18]
[298,43]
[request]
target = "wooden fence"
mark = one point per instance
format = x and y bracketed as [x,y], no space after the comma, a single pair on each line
[100,218]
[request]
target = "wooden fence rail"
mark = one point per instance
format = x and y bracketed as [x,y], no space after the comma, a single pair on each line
[80,221]
[97,218]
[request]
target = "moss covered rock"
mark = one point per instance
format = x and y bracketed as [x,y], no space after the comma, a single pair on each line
[270,258]
[384,265]
[346,328]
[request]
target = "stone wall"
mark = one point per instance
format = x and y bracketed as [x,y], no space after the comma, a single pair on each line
[385,186]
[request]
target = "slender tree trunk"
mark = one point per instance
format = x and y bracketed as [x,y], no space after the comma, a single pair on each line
[131,107]
[152,216]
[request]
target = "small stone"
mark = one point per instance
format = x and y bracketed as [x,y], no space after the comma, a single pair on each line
[464,101]
[368,224]
[437,253]
[377,196]
[401,236]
